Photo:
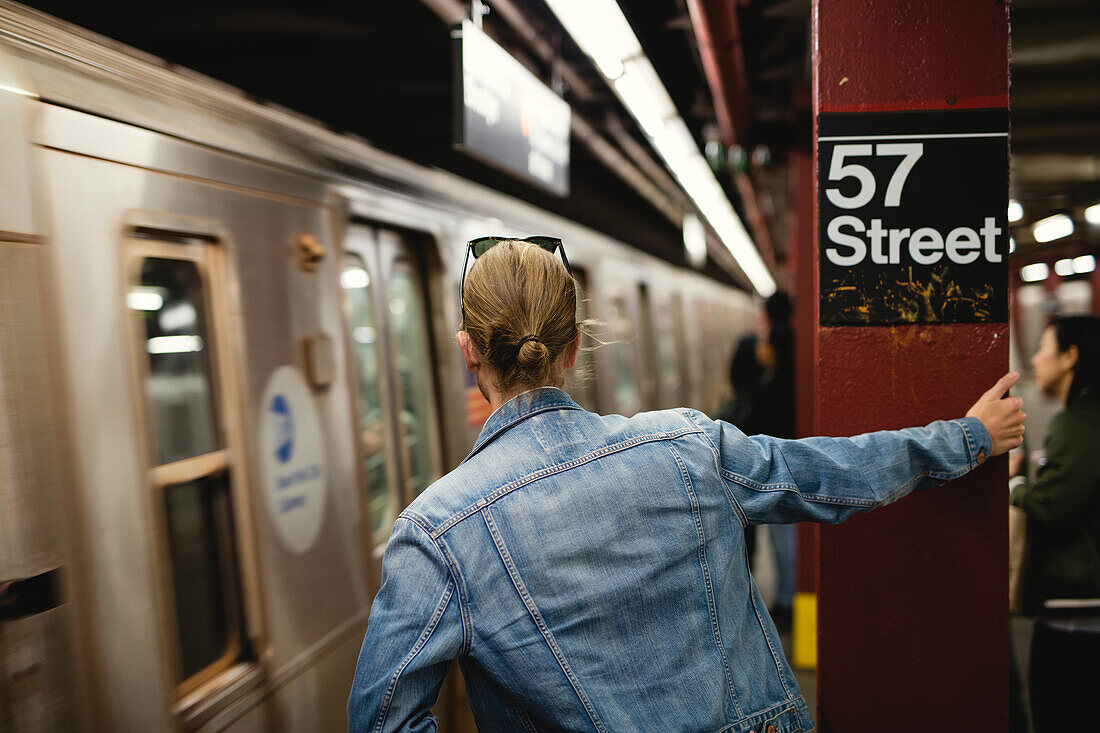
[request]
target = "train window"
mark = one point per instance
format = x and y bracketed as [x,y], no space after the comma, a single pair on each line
[192,474]
[179,386]
[411,356]
[582,388]
[625,390]
[356,283]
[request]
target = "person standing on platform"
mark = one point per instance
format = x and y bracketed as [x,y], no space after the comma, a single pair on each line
[588,572]
[1062,574]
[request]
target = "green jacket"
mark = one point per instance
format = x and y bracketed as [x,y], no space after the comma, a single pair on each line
[1063,509]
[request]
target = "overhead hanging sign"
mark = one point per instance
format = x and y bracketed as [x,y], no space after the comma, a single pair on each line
[506,117]
[912,217]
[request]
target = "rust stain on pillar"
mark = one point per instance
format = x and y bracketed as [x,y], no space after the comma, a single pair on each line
[913,621]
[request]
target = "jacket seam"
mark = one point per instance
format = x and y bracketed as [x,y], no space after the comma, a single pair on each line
[516,420]
[550,471]
[456,576]
[540,623]
[737,508]
[426,634]
[705,568]
[970,446]
[789,706]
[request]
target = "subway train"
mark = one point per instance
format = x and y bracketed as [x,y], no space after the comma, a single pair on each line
[227,361]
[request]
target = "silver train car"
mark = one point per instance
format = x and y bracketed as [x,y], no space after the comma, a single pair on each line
[226,362]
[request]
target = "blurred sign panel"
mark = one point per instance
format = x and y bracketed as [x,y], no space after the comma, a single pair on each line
[505,116]
[913,221]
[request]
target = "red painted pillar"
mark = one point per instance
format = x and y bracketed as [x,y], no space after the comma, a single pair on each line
[913,620]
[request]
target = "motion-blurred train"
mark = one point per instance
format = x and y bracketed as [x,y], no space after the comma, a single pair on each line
[226,363]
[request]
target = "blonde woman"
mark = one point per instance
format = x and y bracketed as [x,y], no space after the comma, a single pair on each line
[589,572]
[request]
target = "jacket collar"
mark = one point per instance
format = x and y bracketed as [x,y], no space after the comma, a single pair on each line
[519,408]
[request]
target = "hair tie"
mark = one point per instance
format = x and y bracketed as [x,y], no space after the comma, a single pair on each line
[529,337]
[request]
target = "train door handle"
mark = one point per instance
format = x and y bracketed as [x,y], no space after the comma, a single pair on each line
[27,596]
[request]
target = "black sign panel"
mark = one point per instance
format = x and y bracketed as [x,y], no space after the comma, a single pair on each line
[506,117]
[912,217]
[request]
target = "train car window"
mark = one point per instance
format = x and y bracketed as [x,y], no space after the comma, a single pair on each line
[411,356]
[625,389]
[192,472]
[356,282]
[648,377]
[178,387]
[582,388]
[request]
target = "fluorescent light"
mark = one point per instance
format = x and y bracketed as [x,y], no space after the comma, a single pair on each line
[1083,264]
[354,277]
[1052,227]
[1011,245]
[1034,272]
[695,240]
[143,298]
[178,317]
[641,91]
[599,28]
[1092,214]
[1015,210]
[173,344]
[1062,268]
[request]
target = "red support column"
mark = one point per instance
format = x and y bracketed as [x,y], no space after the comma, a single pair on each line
[913,620]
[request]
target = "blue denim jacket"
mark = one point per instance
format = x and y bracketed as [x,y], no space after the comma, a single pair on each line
[589,573]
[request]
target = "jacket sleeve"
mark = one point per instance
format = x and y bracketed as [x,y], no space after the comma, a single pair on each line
[775,481]
[414,630]
[1065,487]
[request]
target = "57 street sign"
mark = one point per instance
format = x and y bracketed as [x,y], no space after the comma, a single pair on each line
[912,217]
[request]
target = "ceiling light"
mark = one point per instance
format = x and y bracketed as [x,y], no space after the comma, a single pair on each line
[1011,245]
[1052,227]
[354,277]
[174,344]
[1063,268]
[1083,264]
[1092,214]
[144,298]
[1035,272]
[1015,211]
[602,32]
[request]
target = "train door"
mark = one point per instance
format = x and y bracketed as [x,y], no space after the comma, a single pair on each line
[42,672]
[404,279]
[648,377]
[668,322]
[619,371]
[364,305]
[580,382]
[194,447]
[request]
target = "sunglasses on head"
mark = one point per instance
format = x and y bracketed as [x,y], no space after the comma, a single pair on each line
[481,245]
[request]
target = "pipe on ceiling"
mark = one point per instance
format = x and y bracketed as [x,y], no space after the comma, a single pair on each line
[718,34]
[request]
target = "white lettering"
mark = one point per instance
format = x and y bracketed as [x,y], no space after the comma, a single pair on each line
[962,245]
[926,246]
[990,232]
[897,236]
[875,234]
[859,249]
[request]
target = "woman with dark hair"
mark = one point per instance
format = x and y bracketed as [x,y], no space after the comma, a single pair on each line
[588,572]
[1063,524]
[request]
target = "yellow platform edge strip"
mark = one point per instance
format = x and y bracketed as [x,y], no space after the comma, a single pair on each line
[804,626]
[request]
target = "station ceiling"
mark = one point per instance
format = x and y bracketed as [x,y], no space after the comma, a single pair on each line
[383,71]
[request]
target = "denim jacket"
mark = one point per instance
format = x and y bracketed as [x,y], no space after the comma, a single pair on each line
[589,573]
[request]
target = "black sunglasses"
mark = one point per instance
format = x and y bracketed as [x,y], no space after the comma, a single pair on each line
[481,245]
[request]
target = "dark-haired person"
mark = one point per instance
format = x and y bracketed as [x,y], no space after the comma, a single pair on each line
[1062,576]
[588,572]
